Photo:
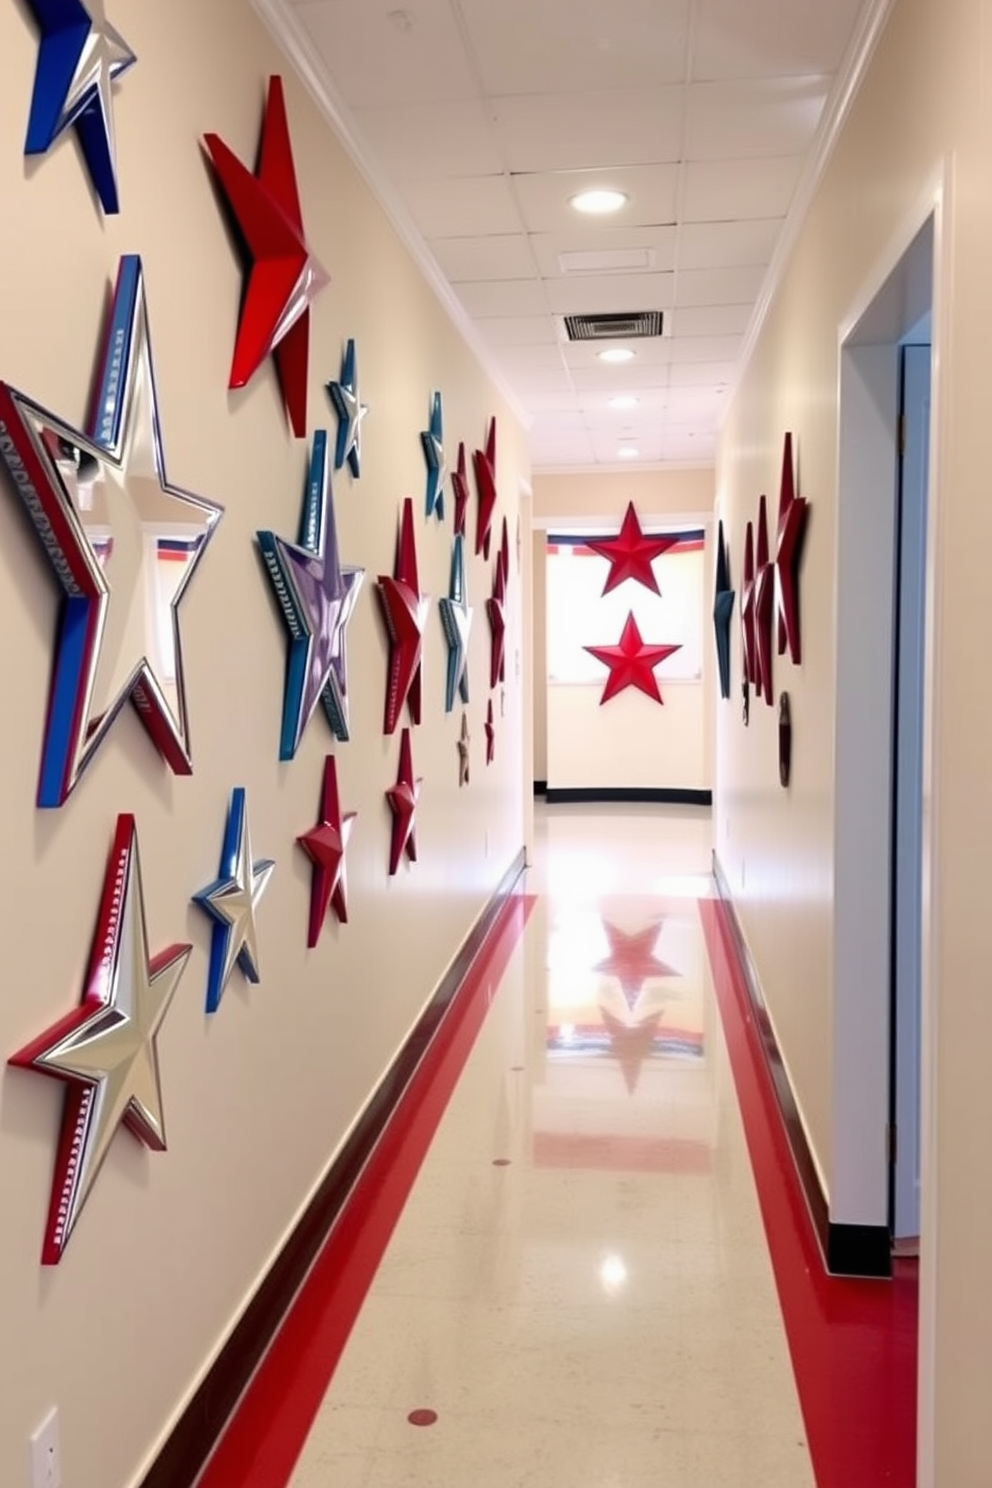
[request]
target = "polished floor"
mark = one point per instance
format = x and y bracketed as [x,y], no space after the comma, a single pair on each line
[573,1273]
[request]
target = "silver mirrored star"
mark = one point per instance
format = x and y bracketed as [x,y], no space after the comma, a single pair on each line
[350,411]
[232,901]
[456,619]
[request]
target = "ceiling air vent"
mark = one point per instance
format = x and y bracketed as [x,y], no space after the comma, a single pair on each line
[611,327]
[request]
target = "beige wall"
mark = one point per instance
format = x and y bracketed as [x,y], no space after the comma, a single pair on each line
[258,1098]
[924,108]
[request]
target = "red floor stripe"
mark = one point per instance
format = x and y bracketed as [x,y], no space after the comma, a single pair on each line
[853,1343]
[267,1432]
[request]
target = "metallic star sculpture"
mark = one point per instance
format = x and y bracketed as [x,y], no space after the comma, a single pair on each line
[402,798]
[232,901]
[404,610]
[464,740]
[325,845]
[723,609]
[484,464]
[630,554]
[793,511]
[317,596]
[80,55]
[284,278]
[632,959]
[459,485]
[456,619]
[496,611]
[105,1051]
[432,439]
[764,608]
[631,663]
[490,734]
[350,411]
[748,645]
[504,556]
[109,522]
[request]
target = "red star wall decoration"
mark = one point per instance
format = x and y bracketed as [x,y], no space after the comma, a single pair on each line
[792,513]
[284,278]
[490,734]
[747,607]
[764,607]
[504,556]
[630,554]
[496,610]
[632,959]
[404,610]
[402,798]
[631,1044]
[325,845]
[459,485]
[631,663]
[484,462]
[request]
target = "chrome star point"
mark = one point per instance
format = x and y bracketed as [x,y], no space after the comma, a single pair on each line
[232,902]
[432,439]
[456,620]
[351,411]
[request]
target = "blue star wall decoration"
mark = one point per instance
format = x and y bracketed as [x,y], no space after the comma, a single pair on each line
[317,596]
[351,411]
[231,901]
[456,619]
[79,57]
[432,440]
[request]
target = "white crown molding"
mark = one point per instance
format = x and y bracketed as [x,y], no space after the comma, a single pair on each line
[870,24]
[288,31]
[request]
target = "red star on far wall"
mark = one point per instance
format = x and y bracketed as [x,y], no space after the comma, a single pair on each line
[404,610]
[792,513]
[496,610]
[490,734]
[631,663]
[630,554]
[632,959]
[459,485]
[484,463]
[747,608]
[325,845]
[631,1044]
[284,278]
[402,798]
[764,608]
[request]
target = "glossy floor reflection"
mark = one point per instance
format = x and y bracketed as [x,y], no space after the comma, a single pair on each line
[578,1293]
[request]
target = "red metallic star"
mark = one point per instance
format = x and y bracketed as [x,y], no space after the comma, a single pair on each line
[632,959]
[459,484]
[747,607]
[496,610]
[490,734]
[504,556]
[402,799]
[325,845]
[284,278]
[404,610]
[792,513]
[631,663]
[764,607]
[484,463]
[631,1044]
[630,554]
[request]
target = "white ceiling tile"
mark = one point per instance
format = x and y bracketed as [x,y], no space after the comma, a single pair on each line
[628,379]
[702,447]
[548,247]
[549,400]
[744,119]
[543,196]
[719,286]
[597,410]
[560,46]
[766,38]
[559,422]
[499,256]
[514,359]
[550,451]
[692,374]
[519,330]
[705,348]
[529,380]
[711,320]
[373,59]
[503,297]
[609,294]
[722,190]
[649,351]
[570,131]
[470,205]
[719,245]
[430,141]
[648,446]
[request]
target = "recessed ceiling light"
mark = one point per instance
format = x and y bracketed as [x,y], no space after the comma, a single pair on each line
[624,400]
[628,452]
[616,354]
[598,201]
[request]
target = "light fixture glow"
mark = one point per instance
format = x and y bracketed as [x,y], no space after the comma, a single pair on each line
[612,1274]
[627,452]
[616,354]
[598,201]
[624,400]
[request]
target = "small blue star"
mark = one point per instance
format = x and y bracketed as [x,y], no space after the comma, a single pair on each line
[231,901]
[350,411]
[432,441]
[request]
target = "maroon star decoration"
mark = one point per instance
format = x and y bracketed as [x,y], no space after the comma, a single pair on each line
[496,610]
[404,610]
[764,607]
[284,278]
[747,607]
[631,663]
[402,798]
[630,554]
[631,1044]
[459,485]
[325,845]
[792,513]
[632,960]
[490,734]
[484,463]
[504,556]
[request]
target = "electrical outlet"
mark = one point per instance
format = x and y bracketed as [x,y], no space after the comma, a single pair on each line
[46,1459]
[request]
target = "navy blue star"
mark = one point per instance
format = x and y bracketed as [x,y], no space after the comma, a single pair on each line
[432,441]
[723,609]
[350,411]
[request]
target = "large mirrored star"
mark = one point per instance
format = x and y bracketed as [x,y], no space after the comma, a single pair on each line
[484,464]
[630,554]
[325,845]
[631,662]
[123,543]
[317,596]
[105,1051]
[792,513]
[404,610]
[231,901]
[764,607]
[284,278]
[350,411]
[402,798]
[432,439]
[79,57]
[456,620]
[459,485]
[632,959]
